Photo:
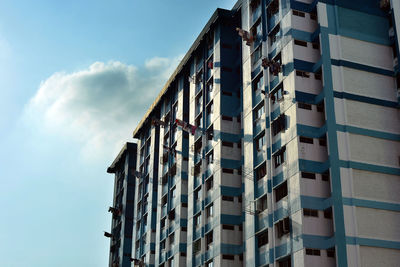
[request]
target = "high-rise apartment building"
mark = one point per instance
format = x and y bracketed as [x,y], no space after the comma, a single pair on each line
[276,142]
[123,206]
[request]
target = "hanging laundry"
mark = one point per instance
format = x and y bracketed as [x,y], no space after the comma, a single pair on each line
[186,126]
[246,36]
[157,122]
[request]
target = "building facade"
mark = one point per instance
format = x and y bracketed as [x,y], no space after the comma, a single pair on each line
[276,141]
[122,209]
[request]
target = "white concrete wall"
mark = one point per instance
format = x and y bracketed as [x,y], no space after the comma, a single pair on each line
[361,52]
[363,83]
[376,186]
[374,256]
[367,116]
[367,149]
[385,228]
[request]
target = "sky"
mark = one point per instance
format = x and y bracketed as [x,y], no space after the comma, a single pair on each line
[75,79]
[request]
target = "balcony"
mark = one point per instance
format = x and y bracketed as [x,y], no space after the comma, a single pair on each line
[259,157]
[257,97]
[273,21]
[164,189]
[197,206]
[209,119]
[197,158]
[163,211]
[258,127]
[209,170]
[197,181]
[198,110]
[256,14]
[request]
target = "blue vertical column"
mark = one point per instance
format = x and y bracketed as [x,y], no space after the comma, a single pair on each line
[337,199]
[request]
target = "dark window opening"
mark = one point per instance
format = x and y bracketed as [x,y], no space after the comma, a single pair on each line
[281,191]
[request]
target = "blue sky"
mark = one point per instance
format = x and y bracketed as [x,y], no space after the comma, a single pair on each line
[75,78]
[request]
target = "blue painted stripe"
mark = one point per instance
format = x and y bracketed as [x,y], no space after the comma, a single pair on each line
[358,66]
[369,167]
[367,132]
[371,204]
[310,131]
[313,166]
[315,203]
[231,219]
[319,242]
[230,163]
[365,99]
[230,191]
[372,242]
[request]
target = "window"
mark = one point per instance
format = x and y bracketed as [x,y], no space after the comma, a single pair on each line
[328,213]
[322,141]
[262,204]
[313,252]
[274,36]
[259,112]
[171,239]
[315,45]
[279,124]
[210,263]
[196,246]
[306,140]
[299,13]
[330,252]
[303,74]
[304,106]
[318,76]
[261,171]
[197,194]
[308,175]
[209,211]
[228,227]
[197,220]
[228,257]
[210,157]
[171,262]
[313,16]
[209,240]
[227,198]
[173,192]
[279,157]
[260,142]
[325,176]
[226,118]
[171,215]
[283,227]
[281,191]
[321,107]
[162,245]
[258,83]
[262,239]
[310,213]
[257,54]
[226,170]
[162,224]
[209,184]
[210,108]
[228,144]
[278,94]
[300,43]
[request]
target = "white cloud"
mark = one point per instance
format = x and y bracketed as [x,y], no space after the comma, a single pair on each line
[98,107]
